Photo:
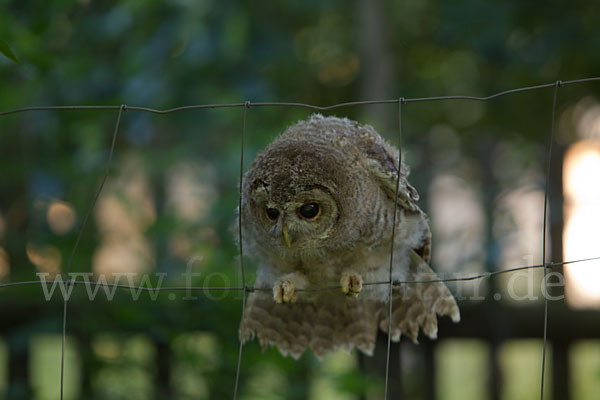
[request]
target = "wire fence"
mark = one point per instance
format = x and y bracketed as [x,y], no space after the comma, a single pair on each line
[247,105]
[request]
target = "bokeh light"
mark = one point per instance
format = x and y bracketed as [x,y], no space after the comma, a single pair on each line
[46,258]
[190,192]
[582,218]
[61,217]
[458,222]
[2,226]
[4,264]
[123,214]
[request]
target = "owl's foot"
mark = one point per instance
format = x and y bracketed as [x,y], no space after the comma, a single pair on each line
[284,291]
[351,283]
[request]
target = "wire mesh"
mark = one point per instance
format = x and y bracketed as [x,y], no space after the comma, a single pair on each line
[246,288]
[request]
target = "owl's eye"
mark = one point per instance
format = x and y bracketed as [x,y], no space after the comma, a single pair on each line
[309,210]
[272,213]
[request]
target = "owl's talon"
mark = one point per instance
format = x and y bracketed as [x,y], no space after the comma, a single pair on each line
[351,283]
[284,291]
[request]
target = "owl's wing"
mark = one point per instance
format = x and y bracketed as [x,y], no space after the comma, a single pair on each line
[383,164]
[416,305]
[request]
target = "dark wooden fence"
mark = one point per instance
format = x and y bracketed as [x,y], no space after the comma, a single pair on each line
[491,322]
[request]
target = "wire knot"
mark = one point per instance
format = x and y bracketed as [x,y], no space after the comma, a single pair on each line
[247,104]
[124,107]
[402,100]
[559,83]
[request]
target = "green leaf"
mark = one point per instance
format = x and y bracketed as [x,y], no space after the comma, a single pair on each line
[8,52]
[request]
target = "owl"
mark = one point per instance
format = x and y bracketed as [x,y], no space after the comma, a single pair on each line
[317,212]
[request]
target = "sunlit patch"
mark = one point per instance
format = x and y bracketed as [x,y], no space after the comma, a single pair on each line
[521,368]
[118,255]
[190,191]
[44,349]
[582,215]
[61,217]
[106,348]
[113,216]
[2,226]
[459,228]
[196,355]
[45,258]
[586,118]
[518,224]
[4,264]
[584,364]
[330,372]
[126,366]
[518,221]
[127,204]
[123,214]
[461,369]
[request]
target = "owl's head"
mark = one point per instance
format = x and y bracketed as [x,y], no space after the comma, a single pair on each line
[308,193]
[291,201]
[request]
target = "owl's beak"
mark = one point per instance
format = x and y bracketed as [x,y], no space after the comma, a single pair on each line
[286,237]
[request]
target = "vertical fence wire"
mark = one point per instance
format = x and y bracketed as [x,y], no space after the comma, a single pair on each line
[391,282]
[241,244]
[70,284]
[544,238]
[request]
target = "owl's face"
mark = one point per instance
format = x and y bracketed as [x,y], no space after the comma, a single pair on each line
[310,194]
[301,220]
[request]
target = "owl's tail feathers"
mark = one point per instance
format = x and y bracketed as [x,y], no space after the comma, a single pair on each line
[417,305]
[294,327]
[274,326]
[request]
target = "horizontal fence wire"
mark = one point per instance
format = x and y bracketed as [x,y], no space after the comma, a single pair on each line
[249,104]
[248,288]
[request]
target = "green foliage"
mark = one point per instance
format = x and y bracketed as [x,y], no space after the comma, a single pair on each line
[8,52]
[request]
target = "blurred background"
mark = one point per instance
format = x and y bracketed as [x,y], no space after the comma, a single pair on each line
[169,203]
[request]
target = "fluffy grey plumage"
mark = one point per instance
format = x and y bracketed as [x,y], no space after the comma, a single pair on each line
[317,211]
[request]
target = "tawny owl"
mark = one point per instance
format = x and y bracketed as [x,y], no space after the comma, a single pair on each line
[317,212]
